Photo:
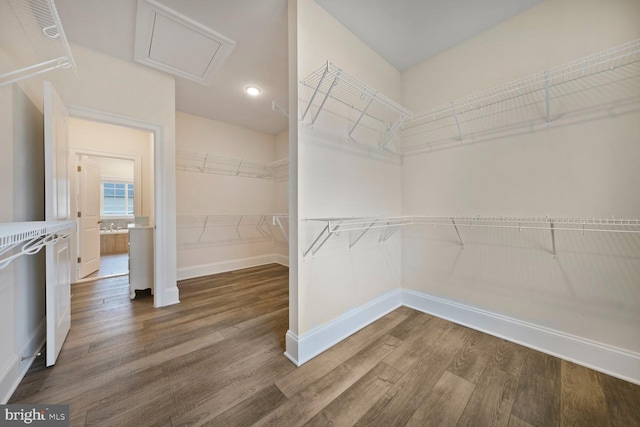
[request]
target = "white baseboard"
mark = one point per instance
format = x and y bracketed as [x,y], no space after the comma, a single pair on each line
[597,356]
[231,265]
[17,368]
[300,349]
[281,259]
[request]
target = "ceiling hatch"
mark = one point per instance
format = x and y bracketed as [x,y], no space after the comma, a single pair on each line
[175,44]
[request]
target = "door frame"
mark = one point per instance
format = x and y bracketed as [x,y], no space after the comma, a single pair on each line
[165,279]
[75,190]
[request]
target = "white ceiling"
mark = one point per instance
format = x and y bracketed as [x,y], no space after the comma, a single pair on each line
[260,58]
[408,32]
[404,32]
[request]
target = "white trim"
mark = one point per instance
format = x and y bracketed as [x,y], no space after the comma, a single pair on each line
[604,358]
[166,290]
[17,369]
[230,265]
[281,259]
[301,349]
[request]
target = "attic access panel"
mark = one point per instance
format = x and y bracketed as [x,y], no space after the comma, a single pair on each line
[175,44]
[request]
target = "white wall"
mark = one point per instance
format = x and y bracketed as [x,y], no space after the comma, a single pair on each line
[336,181]
[216,194]
[122,170]
[576,168]
[22,283]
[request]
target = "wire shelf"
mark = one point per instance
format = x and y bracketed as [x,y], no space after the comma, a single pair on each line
[31,237]
[39,23]
[539,223]
[536,99]
[281,104]
[189,161]
[333,90]
[217,229]
[390,224]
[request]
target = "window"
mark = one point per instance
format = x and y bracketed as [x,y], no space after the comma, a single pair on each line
[117,199]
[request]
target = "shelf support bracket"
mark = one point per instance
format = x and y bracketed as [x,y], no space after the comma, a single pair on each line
[276,221]
[455,226]
[364,111]
[547,97]
[553,240]
[259,226]
[315,92]
[204,227]
[352,244]
[324,230]
[388,233]
[455,118]
[392,130]
[313,248]
[204,164]
[238,227]
[326,96]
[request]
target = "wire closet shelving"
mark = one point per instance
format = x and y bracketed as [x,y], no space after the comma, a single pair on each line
[609,77]
[606,80]
[281,104]
[390,224]
[203,162]
[217,229]
[39,23]
[28,238]
[333,90]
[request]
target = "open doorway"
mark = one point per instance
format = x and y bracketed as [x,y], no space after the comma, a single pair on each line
[106,196]
[113,187]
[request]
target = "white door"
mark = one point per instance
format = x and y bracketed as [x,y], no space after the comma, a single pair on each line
[57,206]
[89,220]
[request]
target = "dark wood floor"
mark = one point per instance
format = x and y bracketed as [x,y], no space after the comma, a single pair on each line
[216,359]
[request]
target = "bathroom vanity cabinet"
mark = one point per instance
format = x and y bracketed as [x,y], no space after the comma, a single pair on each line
[140,259]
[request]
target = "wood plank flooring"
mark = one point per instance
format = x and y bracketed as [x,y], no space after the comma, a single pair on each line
[216,359]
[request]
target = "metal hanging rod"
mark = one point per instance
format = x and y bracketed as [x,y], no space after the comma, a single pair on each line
[39,23]
[389,225]
[28,238]
[203,162]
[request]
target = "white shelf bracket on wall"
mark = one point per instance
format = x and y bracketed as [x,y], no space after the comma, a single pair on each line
[553,239]
[281,104]
[282,221]
[453,221]
[455,118]
[362,114]
[367,228]
[547,97]
[322,238]
[40,23]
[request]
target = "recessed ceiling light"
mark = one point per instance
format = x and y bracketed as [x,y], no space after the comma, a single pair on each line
[253,90]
